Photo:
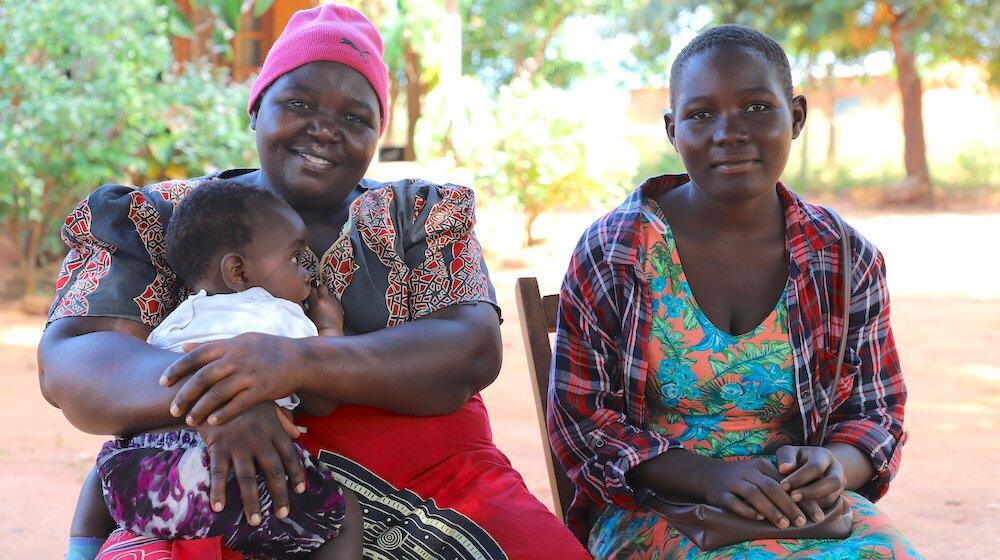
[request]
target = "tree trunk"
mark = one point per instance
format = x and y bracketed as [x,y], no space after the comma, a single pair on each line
[803,139]
[916,188]
[530,215]
[414,95]
[450,78]
[29,268]
[391,102]
[804,158]
[202,44]
[831,140]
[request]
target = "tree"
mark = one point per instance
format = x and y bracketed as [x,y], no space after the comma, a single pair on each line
[87,97]
[508,39]
[553,154]
[412,35]
[210,25]
[915,31]
[70,114]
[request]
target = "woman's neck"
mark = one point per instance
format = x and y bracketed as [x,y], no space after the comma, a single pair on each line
[760,216]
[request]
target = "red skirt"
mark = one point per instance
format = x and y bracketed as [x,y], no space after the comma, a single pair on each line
[432,487]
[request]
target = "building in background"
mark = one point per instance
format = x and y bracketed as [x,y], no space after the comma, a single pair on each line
[251,43]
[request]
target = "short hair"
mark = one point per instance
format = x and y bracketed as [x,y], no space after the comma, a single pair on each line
[734,35]
[217,216]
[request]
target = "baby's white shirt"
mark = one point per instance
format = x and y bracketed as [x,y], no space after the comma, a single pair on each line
[203,318]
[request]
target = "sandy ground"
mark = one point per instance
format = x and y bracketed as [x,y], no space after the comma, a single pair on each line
[946,315]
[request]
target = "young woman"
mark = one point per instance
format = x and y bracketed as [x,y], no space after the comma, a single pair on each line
[696,323]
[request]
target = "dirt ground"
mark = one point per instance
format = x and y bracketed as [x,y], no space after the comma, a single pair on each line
[946,316]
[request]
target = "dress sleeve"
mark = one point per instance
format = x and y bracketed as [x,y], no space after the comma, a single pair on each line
[871,417]
[591,434]
[440,248]
[115,266]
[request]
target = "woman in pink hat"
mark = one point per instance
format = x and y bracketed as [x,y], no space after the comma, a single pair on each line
[398,419]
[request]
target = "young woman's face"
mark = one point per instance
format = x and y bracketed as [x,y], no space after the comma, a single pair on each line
[733,123]
[274,260]
[317,128]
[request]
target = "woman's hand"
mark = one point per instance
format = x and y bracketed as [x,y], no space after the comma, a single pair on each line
[325,312]
[750,489]
[227,377]
[256,441]
[811,474]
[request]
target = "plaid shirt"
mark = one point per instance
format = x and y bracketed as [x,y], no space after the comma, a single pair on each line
[598,422]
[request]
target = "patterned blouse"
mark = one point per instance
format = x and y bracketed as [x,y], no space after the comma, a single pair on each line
[598,418]
[412,242]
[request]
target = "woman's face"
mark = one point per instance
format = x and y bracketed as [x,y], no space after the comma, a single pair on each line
[733,123]
[317,127]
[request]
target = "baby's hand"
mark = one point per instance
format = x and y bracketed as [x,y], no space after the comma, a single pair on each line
[325,311]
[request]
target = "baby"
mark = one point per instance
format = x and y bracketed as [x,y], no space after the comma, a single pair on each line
[240,249]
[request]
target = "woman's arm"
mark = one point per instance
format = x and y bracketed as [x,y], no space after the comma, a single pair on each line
[100,372]
[426,367]
[589,423]
[858,469]
[870,419]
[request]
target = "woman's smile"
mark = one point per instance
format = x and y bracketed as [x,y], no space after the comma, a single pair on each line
[736,164]
[321,163]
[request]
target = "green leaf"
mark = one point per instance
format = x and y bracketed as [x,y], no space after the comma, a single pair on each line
[229,11]
[261,6]
[178,23]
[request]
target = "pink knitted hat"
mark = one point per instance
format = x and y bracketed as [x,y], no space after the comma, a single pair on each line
[328,32]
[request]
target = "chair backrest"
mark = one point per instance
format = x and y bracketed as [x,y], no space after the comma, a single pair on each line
[538,320]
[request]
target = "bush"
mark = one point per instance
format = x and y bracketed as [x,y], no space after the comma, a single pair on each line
[202,128]
[548,153]
[77,96]
[88,96]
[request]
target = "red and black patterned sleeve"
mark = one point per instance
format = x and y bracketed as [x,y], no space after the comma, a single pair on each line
[871,418]
[115,265]
[445,260]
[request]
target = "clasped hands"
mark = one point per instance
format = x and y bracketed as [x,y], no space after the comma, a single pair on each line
[800,484]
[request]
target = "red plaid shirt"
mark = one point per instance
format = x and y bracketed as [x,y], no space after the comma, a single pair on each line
[598,420]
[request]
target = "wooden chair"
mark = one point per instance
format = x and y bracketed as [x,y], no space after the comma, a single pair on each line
[538,320]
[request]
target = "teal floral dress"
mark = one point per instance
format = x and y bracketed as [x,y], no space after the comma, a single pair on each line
[726,396]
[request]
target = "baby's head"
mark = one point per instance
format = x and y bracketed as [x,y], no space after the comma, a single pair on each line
[733,115]
[227,236]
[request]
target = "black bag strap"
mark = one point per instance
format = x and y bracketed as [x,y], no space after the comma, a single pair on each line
[846,264]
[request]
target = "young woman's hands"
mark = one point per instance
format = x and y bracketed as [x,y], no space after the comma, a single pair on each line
[751,489]
[325,312]
[227,377]
[257,441]
[812,476]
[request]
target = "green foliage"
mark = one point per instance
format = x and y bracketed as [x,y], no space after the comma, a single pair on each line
[941,29]
[973,169]
[88,96]
[202,126]
[550,155]
[656,157]
[508,39]
[221,17]
[76,98]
